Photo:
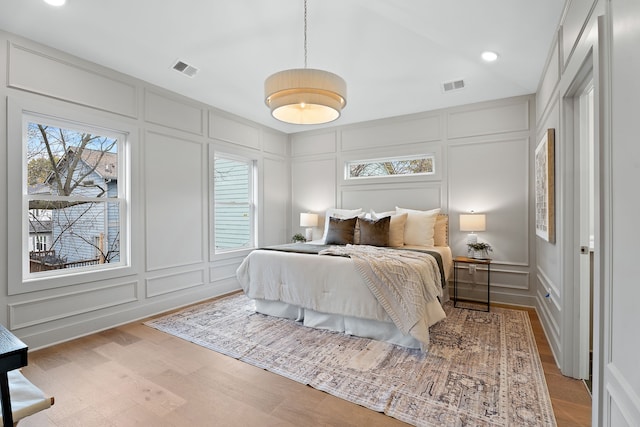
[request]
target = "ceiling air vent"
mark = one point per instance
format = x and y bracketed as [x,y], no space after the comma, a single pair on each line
[184,68]
[453,85]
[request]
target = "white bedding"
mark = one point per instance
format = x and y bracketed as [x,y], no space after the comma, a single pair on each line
[313,286]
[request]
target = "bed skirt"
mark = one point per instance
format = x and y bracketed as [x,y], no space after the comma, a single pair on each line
[367,328]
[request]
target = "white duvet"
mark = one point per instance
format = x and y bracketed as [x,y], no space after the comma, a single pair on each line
[327,284]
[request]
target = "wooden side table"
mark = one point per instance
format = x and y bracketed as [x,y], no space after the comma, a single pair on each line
[13,355]
[467,260]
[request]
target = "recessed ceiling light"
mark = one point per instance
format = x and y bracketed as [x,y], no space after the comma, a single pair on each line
[489,56]
[55,2]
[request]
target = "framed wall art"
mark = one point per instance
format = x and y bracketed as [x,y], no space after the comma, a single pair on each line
[545,187]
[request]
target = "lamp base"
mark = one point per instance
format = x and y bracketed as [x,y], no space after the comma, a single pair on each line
[308,234]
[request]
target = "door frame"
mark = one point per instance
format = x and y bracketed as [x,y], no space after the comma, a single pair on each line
[579,71]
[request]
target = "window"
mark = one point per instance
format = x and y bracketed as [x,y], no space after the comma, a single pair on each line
[234,207]
[396,166]
[74,200]
[42,243]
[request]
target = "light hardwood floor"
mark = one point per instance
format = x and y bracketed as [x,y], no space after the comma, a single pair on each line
[136,375]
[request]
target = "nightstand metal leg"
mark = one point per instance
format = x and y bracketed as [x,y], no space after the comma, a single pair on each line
[455,285]
[488,287]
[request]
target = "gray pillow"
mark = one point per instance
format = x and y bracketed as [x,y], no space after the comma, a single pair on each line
[374,232]
[341,231]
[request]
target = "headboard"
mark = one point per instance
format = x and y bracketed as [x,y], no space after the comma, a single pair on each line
[441,230]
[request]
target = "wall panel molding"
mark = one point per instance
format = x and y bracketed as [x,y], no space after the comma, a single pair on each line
[489,119]
[386,197]
[500,277]
[234,131]
[223,271]
[64,305]
[174,282]
[169,186]
[392,132]
[625,401]
[491,176]
[172,113]
[275,143]
[303,144]
[47,75]
[175,221]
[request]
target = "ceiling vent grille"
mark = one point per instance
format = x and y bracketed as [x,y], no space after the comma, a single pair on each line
[184,68]
[453,85]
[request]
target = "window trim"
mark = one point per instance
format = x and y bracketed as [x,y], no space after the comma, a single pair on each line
[120,200]
[18,236]
[348,163]
[252,161]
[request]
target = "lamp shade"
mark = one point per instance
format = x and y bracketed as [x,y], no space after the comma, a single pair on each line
[472,222]
[308,220]
[305,96]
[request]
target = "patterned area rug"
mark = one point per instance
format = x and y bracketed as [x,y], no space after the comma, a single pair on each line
[482,369]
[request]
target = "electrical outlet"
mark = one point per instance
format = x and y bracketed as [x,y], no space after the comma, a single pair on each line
[472,269]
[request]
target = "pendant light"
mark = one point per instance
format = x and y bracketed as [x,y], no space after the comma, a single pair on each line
[305,96]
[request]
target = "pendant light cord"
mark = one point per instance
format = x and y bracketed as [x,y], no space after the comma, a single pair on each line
[305,33]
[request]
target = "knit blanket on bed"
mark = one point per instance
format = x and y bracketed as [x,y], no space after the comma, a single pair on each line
[402,281]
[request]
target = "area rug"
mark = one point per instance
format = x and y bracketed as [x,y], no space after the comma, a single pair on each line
[482,369]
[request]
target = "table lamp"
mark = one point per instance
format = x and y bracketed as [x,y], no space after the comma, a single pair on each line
[472,222]
[309,220]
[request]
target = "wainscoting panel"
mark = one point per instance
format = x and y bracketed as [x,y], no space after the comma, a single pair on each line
[223,271]
[548,313]
[503,280]
[276,201]
[507,286]
[625,403]
[313,143]
[47,309]
[489,177]
[313,185]
[507,116]
[381,198]
[166,284]
[549,83]
[573,26]
[230,130]
[174,219]
[164,111]
[274,143]
[392,132]
[38,72]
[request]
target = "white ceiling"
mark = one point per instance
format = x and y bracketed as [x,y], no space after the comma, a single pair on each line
[393,54]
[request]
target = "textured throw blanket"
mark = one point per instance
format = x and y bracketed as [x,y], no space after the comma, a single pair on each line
[401,281]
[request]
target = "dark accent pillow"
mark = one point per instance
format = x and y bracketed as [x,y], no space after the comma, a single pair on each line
[374,232]
[341,231]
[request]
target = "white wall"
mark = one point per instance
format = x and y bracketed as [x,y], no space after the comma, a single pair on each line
[603,34]
[482,154]
[171,139]
[620,385]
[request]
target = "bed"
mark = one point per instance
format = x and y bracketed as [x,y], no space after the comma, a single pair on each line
[327,284]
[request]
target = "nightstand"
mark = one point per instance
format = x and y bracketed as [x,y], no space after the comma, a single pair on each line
[466,260]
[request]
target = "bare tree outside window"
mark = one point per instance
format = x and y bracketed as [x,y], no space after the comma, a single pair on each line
[419,165]
[73,198]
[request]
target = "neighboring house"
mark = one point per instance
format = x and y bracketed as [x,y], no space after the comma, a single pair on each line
[39,234]
[39,222]
[86,232]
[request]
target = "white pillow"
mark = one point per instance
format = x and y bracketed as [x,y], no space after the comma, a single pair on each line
[396,226]
[338,213]
[418,230]
[378,215]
